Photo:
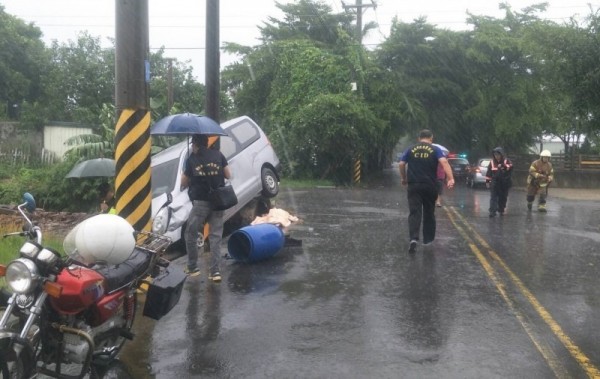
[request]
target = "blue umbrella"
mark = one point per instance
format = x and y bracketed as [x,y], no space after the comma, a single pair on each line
[187,123]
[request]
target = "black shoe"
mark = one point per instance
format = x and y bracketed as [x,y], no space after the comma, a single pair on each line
[501,213]
[412,248]
[492,214]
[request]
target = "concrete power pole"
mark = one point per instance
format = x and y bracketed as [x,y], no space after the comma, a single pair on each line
[170,99]
[132,131]
[213,63]
[213,60]
[359,13]
[356,166]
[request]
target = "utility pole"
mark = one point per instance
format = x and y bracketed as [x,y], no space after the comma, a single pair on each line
[213,60]
[132,131]
[359,13]
[169,85]
[356,166]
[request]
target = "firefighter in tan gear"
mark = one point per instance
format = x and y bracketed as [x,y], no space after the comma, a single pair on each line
[541,174]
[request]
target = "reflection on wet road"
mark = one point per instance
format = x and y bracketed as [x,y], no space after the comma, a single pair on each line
[507,297]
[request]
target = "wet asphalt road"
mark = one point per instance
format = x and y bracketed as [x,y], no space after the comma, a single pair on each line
[516,296]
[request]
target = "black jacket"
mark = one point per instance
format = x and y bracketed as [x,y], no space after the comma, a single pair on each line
[500,171]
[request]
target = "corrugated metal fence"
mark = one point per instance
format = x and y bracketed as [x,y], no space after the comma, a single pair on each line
[18,156]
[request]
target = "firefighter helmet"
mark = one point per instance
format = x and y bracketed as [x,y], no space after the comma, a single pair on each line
[545,153]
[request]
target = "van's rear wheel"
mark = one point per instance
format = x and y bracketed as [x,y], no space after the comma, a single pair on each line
[270,184]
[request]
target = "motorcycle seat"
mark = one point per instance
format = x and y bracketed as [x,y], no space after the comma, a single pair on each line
[121,275]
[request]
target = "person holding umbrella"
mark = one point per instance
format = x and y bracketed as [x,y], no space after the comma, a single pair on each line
[98,168]
[107,198]
[204,169]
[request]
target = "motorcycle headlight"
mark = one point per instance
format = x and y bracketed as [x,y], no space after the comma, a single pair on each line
[161,221]
[22,275]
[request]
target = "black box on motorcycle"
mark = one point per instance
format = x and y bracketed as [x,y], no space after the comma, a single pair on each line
[164,292]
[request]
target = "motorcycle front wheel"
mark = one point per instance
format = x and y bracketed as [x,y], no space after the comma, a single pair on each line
[12,365]
[13,369]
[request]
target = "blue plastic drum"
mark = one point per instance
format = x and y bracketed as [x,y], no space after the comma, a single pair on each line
[255,242]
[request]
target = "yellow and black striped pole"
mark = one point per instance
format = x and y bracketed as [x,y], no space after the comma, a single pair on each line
[132,133]
[132,182]
[356,171]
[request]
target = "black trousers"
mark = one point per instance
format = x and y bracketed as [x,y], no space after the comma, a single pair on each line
[498,196]
[421,205]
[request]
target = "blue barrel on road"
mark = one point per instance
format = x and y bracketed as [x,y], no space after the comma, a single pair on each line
[255,242]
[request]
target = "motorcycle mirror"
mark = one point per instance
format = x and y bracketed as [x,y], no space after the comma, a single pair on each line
[29,202]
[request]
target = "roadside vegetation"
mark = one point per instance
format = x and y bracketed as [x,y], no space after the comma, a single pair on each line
[10,246]
[51,190]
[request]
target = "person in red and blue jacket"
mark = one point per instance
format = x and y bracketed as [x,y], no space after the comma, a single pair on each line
[499,180]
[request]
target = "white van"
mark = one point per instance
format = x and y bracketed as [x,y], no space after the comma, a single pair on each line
[254,167]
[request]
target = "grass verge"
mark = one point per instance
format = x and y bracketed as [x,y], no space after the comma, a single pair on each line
[10,246]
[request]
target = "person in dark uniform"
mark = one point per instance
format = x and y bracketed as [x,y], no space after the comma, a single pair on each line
[499,180]
[418,171]
[204,169]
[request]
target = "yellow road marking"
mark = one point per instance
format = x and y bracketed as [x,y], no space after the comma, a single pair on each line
[544,350]
[573,349]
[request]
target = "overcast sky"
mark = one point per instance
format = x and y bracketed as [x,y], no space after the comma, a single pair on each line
[179,25]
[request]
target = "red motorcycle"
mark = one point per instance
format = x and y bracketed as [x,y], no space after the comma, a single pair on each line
[67,317]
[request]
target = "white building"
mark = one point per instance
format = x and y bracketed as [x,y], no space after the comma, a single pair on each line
[554,144]
[56,133]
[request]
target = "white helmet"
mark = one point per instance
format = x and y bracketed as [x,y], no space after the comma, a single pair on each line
[545,153]
[104,238]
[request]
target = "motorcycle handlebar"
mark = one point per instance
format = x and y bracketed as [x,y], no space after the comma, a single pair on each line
[23,234]
[34,233]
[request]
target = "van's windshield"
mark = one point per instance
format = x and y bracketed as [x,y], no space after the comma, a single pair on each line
[164,176]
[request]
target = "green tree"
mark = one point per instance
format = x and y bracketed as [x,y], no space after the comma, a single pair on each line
[426,78]
[505,98]
[570,78]
[307,59]
[329,132]
[249,81]
[80,80]
[308,20]
[23,60]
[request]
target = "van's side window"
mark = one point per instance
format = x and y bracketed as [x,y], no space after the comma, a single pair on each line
[164,177]
[246,133]
[227,147]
